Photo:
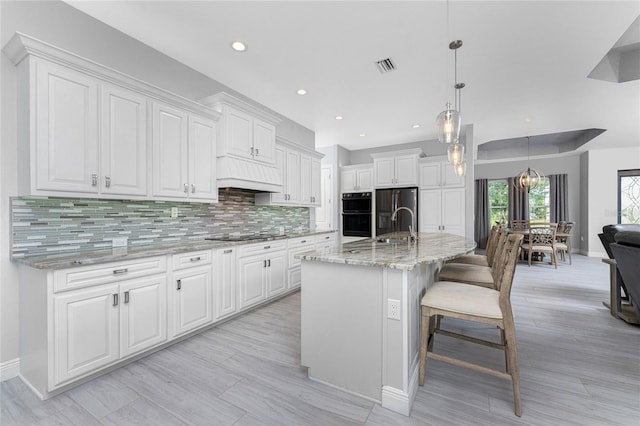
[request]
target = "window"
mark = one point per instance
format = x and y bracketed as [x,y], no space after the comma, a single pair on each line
[498,201]
[629,196]
[539,210]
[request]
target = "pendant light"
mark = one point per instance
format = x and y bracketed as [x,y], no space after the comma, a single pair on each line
[530,178]
[448,121]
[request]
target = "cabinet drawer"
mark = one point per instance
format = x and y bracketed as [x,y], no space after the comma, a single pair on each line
[326,240]
[298,248]
[266,247]
[85,276]
[194,258]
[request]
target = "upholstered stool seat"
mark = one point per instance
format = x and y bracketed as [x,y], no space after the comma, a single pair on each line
[467,299]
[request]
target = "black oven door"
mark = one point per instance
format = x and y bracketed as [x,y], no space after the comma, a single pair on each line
[356,224]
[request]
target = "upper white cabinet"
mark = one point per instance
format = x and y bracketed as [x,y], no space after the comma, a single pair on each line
[83,131]
[442,210]
[300,170]
[438,173]
[396,169]
[357,178]
[183,155]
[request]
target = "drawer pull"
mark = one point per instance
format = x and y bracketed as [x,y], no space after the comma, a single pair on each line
[269,263]
[120,271]
[179,284]
[115,299]
[326,238]
[303,241]
[267,247]
[228,251]
[126,297]
[195,259]
[264,263]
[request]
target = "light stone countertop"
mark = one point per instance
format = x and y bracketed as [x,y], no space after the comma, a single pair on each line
[64,260]
[430,248]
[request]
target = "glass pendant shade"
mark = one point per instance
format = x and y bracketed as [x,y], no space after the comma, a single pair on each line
[530,178]
[448,125]
[455,152]
[460,168]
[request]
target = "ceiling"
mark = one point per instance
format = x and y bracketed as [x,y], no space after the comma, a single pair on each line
[525,63]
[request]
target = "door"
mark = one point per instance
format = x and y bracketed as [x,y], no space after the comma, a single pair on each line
[123,156]
[365,179]
[316,191]
[305,179]
[430,210]
[251,280]
[170,152]
[192,299]
[348,181]
[66,114]
[449,176]
[281,159]
[384,171]
[202,159]
[85,331]
[293,176]
[143,314]
[239,137]
[225,296]
[430,175]
[264,141]
[406,170]
[276,273]
[453,214]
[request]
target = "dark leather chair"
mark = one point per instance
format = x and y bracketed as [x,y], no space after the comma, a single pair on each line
[626,252]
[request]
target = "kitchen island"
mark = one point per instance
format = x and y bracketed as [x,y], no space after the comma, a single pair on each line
[360,313]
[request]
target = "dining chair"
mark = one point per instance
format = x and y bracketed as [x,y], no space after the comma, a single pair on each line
[519,225]
[482,259]
[542,240]
[477,304]
[563,240]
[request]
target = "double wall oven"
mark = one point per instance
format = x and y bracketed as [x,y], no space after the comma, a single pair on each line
[356,214]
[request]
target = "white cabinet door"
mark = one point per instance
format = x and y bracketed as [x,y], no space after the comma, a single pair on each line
[85,331]
[276,273]
[192,299]
[406,170]
[453,211]
[143,314]
[430,175]
[123,156]
[264,141]
[202,159]
[281,165]
[226,282]
[251,280]
[66,137]
[316,178]
[170,152]
[305,179]
[449,177]
[293,183]
[430,210]
[365,179]
[348,179]
[239,133]
[384,169]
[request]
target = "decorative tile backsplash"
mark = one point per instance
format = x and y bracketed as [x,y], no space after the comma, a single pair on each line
[43,225]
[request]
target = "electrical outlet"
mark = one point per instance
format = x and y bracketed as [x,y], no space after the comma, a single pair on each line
[119,242]
[393,309]
[174,212]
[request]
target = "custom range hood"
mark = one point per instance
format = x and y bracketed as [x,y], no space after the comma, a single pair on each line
[246,156]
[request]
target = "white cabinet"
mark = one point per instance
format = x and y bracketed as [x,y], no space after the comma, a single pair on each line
[442,210]
[396,169]
[264,141]
[303,244]
[184,152]
[357,178]
[310,181]
[291,176]
[96,326]
[225,282]
[261,272]
[438,174]
[192,292]
[123,150]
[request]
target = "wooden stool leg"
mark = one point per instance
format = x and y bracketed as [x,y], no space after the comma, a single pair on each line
[512,353]
[424,338]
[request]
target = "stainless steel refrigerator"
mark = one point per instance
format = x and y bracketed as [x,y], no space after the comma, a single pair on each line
[387,201]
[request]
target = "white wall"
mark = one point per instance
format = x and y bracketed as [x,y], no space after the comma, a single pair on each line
[603,166]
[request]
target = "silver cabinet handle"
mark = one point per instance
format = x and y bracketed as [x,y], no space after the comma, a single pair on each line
[179,282]
[228,251]
[115,299]
[195,259]
[186,188]
[264,263]
[193,188]
[126,297]
[120,271]
[267,247]
[257,152]
[94,179]
[326,238]
[269,263]
[252,151]
[303,241]
[107,181]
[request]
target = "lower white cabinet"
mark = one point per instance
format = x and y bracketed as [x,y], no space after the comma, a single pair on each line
[225,282]
[301,245]
[442,210]
[261,272]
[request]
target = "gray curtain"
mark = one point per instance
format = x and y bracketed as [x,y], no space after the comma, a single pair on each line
[518,201]
[482,214]
[558,198]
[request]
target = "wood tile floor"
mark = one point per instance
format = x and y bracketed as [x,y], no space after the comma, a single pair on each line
[578,365]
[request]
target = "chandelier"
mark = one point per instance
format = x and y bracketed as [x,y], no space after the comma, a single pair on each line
[530,178]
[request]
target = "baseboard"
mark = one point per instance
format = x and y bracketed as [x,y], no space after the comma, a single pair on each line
[9,369]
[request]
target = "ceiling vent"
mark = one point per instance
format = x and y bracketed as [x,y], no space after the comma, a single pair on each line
[385,65]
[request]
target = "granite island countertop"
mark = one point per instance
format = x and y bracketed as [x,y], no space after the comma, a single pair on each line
[64,260]
[429,248]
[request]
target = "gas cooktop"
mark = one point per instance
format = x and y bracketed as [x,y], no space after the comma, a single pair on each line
[251,237]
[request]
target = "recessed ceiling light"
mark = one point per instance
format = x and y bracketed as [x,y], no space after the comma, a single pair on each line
[238,46]
[362,134]
[415,126]
[301,92]
[339,117]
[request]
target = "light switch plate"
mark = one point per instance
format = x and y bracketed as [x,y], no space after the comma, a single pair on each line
[174,212]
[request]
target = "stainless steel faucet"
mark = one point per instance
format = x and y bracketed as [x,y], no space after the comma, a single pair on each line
[412,228]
